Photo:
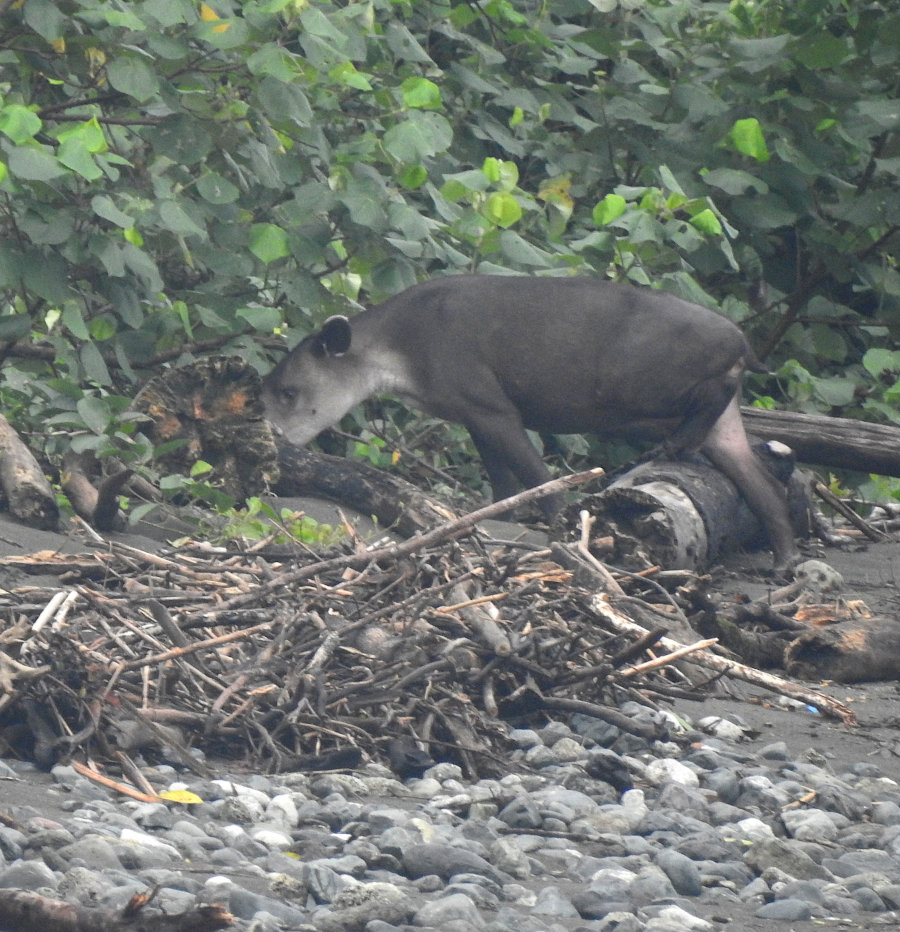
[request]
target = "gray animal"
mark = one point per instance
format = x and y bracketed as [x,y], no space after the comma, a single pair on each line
[500,354]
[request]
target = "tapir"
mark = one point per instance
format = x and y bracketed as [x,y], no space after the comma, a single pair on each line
[502,354]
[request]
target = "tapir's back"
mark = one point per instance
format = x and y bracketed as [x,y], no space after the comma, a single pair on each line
[573,354]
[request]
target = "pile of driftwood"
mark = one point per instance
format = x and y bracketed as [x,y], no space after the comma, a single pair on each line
[288,660]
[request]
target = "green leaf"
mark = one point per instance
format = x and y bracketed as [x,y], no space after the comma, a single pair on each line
[821,49]
[609,209]
[94,413]
[412,176]
[734,181]
[878,362]
[746,136]
[216,189]
[502,209]
[104,207]
[345,73]
[420,136]
[707,222]
[177,220]
[420,93]
[133,76]
[268,242]
[19,123]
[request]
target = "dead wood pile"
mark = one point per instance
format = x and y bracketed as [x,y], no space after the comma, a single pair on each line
[292,661]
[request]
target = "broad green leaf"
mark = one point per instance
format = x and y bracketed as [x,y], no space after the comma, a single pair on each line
[95,368]
[274,61]
[412,176]
[177,220]
[133,76]
[104,207]
[19,123]
[421,135]
[346,73]
[74,154]
[746,136]
[734,181]
[181,138]
[282,101]
[45,18]
[502,209]
[878,361]
[94,412]
[268,242]
[821,49]
[420,93]
[707,222]
[89,136]
[34,163]
[73,321]
[14,327]
[609,209]
[836,392]
[216,189]
[501,172]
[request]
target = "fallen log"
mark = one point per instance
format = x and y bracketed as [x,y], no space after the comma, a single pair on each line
[23,482]
[858,651]
[685,514]
[396,504]
[830,441]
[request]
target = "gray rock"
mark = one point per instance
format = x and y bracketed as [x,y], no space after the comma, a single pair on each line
[444,861]
[785,855]
[449,912]
[682,872]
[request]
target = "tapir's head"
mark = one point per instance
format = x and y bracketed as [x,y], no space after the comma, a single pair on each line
[310,389]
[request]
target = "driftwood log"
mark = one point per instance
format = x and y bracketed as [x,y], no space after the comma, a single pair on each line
[685,514]
[27,491]
[830,441]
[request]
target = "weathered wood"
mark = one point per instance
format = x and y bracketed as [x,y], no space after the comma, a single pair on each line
[830,441]
[684,514]
[211,410]
[397,505]
[23,482]
[858,651]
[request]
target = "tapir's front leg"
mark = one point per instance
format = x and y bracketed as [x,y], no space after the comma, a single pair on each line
[727,446]
[511,459]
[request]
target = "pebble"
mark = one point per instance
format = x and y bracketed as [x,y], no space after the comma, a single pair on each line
[590,825]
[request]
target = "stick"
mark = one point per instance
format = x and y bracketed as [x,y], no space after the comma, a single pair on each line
[393,552]
[602,607]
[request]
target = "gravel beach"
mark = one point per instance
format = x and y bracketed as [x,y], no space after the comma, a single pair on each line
[753,812]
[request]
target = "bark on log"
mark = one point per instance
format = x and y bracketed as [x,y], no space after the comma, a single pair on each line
[848,652]
[685,514]
[396,505]
[24,484]
[830,441]
[211,410]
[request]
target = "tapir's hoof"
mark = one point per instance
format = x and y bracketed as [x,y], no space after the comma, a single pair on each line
[784,565]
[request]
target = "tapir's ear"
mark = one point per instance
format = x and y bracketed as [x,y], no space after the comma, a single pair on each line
[334,337]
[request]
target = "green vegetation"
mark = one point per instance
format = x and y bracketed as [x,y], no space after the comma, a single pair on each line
[180,177]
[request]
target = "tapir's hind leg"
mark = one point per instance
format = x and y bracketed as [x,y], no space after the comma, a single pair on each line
[727,446]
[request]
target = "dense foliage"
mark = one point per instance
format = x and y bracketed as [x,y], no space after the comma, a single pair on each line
[183,177]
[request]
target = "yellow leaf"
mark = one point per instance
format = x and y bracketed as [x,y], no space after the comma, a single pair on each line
[96,59]
[186,797]
[208,14]
[58,45]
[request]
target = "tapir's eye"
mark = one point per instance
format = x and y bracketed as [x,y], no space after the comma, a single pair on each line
[289,395]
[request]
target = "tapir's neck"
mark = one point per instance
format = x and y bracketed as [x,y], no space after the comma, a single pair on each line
[376,365]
